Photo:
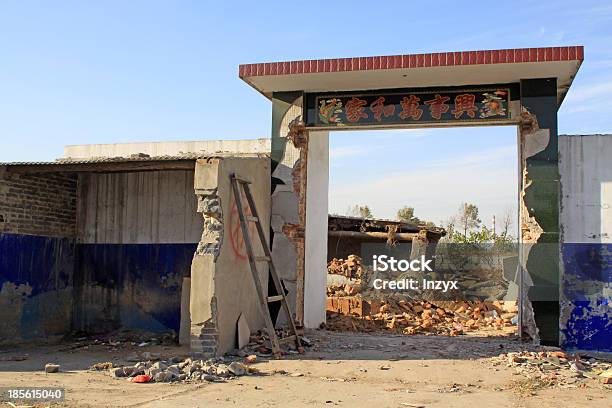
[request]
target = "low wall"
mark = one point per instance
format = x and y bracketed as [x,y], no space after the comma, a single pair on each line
[222,287]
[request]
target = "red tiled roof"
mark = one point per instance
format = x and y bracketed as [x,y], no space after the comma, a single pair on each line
[437,59]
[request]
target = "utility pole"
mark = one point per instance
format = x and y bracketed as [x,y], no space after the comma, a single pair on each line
[493,224]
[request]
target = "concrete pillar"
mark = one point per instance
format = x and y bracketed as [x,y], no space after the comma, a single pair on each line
[315,262]
[539,210]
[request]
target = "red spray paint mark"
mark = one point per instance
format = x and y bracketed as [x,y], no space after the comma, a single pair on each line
[236,237]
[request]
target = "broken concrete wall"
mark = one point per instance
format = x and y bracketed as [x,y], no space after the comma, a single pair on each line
[586,242]
[288,161]
[137,233]
[539,211]
[222,286]
[37,250]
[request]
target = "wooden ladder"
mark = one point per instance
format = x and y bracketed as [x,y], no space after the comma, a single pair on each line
[264,300]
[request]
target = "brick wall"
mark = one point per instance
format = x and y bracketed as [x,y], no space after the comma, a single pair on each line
[38,204]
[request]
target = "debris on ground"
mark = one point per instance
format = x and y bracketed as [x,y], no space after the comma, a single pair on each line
[556,368]
[143,378]
[21,357]
[353,305]
[52,368]
[124,338]
[101,366]
[237,363]
[350,268]
[259,344]
[217,369]
[450,318]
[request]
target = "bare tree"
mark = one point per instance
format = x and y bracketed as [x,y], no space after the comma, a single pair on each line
[507,221]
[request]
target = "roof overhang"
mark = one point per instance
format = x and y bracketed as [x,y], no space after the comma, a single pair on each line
[417,70]
[135,163]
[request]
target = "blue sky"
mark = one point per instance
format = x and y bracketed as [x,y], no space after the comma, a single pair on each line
[74,72]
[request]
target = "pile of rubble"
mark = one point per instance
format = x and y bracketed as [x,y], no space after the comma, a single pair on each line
[449,318]
[340,289]
[151,367]
[350,268]
[217,369]
[354,305]
[556,368]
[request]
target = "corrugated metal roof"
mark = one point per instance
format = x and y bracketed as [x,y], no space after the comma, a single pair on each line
[133,158]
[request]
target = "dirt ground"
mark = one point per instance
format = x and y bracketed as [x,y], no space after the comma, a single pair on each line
[340,369]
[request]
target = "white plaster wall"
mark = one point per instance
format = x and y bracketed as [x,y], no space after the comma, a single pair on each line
[167,148]
[137,208]
[585,166]
[315,245]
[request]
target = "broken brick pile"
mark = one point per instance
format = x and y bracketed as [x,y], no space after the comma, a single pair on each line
[556,368]
[352,306]
[351,267]
[449,318]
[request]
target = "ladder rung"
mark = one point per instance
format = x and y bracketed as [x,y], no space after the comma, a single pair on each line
[251,218]
[287,339]
[241,180]
[262,258]
[275,298]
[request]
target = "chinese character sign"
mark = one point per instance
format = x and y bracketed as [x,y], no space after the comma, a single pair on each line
[412,107]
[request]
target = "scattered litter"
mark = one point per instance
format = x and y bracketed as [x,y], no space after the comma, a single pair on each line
[52,368]
[553,368]
[140,379]
[101,366]
[333,379]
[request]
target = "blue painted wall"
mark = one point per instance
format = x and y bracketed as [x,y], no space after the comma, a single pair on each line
[134,286]
[36,275]
[586,288]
